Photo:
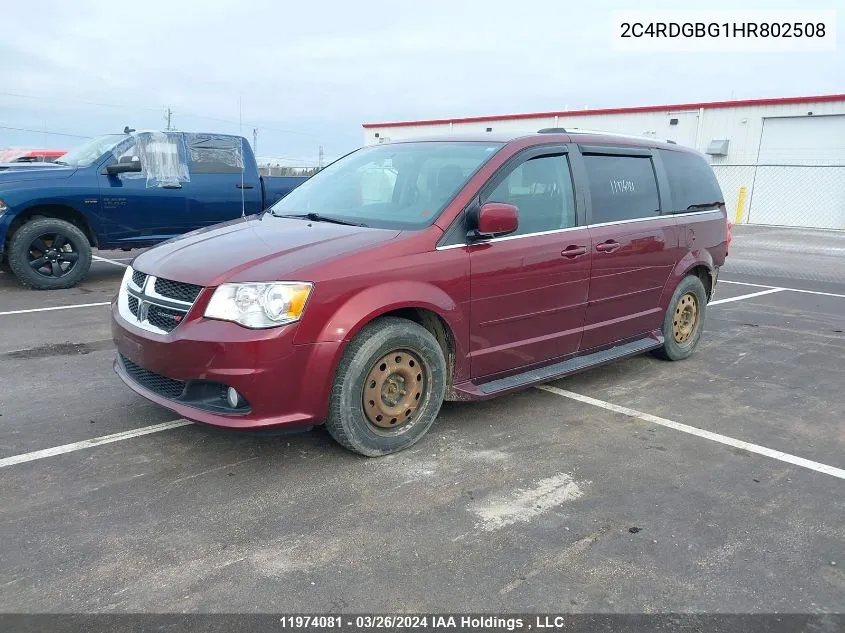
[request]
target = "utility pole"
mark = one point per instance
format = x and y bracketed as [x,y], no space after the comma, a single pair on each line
[169,118]
[255,141]
[320,158]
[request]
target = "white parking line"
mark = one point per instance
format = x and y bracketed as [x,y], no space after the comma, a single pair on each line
[809,292]
[110,261]
[70,307]
[708,435]
[748,296]
[97,441]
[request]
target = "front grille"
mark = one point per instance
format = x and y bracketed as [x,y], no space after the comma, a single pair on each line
[177,290]
[138,278]
[157,305]
[163,318]
[163,386]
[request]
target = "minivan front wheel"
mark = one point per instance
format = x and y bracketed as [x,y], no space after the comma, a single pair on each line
[388,388]
[684,320]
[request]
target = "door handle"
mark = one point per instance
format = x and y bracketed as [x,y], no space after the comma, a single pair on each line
[171,185]
[244,186]
[608,246]
[574,251]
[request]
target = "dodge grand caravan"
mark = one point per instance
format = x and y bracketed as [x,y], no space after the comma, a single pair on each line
[413,272]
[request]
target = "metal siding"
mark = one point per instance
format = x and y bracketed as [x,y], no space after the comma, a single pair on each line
[742,125]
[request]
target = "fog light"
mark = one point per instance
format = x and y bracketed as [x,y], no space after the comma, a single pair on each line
[233,397]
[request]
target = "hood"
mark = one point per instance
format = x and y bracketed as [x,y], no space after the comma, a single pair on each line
[257,248]
[19,172]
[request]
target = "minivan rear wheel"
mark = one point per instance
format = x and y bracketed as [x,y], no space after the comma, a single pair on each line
[684,320]
[388,388]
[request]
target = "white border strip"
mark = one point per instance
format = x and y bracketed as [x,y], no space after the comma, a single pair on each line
[96,441]
[748,296]
[708,435]
[71,307]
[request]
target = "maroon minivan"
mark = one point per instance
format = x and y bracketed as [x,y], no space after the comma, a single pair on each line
[415,271]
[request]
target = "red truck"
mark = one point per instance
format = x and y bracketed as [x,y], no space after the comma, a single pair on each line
[415,271]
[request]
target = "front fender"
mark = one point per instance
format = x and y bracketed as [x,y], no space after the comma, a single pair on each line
[347,319]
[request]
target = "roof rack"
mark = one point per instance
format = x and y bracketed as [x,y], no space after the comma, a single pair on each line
[552,130]
[575,130]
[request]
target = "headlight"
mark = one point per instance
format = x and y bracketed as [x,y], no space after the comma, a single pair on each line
[3,206]
[259,305]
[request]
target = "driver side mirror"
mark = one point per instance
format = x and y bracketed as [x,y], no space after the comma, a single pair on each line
[124,168]
[495,219]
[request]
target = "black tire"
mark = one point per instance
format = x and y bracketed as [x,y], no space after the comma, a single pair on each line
[349,424]
[33,243]
[690,292]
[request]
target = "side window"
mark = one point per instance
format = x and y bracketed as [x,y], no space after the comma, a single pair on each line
[130,155]
[214,154]
[541,188]
[692,183]
[621,188]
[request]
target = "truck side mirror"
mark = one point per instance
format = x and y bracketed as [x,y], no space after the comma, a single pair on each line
[124,168]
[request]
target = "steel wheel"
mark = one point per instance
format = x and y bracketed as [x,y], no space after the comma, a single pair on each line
[685,319]
[392,390]
[52,255]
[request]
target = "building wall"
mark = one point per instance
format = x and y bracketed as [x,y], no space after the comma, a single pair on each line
[802,160]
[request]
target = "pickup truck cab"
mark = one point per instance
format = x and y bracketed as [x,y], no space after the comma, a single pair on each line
[411,272]
[124,191]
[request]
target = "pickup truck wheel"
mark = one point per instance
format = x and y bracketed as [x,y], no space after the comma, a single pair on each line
[49,254]
[388,388]
[684,320]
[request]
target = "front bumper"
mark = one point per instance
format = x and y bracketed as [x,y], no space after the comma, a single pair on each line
[284,385]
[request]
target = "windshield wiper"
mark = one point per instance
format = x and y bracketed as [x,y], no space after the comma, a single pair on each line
[61,162]
[317,217]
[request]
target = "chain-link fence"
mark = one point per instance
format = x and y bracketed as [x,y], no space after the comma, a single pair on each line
[799,195]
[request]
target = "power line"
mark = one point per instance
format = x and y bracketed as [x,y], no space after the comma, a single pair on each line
[23,129]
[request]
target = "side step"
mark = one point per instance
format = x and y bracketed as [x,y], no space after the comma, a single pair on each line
[570,366]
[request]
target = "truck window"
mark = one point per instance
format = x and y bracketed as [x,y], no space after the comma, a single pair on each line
[692,182]
[621,188]
[215,154]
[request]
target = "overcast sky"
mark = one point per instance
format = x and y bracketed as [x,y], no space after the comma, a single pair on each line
[309,73]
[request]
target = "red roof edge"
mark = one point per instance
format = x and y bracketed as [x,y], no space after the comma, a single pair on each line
[651,108]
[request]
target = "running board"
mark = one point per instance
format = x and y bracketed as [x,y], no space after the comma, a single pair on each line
[564,368]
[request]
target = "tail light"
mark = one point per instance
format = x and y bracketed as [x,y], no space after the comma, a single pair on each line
[730,237]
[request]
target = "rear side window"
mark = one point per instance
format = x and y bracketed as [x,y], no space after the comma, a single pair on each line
[692,183]
[621,188]
[215,154]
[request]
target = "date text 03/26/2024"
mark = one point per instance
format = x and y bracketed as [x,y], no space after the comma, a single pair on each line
[441,622]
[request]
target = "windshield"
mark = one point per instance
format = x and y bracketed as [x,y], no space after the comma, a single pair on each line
[402,185]
[88,152]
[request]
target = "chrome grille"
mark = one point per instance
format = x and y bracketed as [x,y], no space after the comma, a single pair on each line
[177,290]
[164,318]
[138,278]
[156,305]
[163,386]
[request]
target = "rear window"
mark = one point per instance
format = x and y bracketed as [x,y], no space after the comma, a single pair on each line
[621,188]
[692,183]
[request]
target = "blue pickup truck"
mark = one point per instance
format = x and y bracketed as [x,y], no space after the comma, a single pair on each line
[124,191]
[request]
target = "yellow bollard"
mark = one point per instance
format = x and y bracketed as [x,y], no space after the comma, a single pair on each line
[740,203]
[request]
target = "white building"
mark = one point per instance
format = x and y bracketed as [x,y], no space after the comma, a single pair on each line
[779,161]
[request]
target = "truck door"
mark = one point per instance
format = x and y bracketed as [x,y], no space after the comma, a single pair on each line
[224,179]
[144,207]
